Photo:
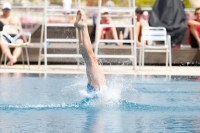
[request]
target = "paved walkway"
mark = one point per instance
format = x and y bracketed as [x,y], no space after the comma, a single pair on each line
[73,69]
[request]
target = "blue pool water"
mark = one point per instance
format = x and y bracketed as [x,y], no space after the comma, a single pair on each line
[57,103]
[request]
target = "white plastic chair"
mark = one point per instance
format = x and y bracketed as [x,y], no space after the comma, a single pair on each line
[13,44]
[155,34]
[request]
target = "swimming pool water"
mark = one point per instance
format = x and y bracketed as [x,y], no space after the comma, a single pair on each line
[58,103]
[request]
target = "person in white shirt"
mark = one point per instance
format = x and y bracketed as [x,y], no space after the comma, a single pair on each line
[7,19]
[66,4]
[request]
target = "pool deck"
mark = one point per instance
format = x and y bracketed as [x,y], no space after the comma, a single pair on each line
[107,69]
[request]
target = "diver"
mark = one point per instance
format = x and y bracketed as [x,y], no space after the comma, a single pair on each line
[96,78]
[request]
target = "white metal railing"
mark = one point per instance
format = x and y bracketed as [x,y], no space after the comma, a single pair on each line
[133,54]
[77,55]
[49,40]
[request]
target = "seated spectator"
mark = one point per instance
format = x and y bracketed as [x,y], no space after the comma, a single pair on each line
[7,19]
[108,32]
[67,18]
[141,21]
[67,10]
[194,29]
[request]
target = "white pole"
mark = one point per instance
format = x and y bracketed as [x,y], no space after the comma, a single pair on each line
[135,45]
[129,3]
[79,4]
[45,35]
[75,3]
[41,41]
[98,27]
[78,59]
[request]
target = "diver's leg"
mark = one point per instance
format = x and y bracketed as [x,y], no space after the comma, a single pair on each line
[95,76]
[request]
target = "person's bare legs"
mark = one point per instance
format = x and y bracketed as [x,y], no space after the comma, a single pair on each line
[16,53]
[194,31]
[95,75]
[18,50]
[114,35]
[6,51]
[138,30]
[102,33]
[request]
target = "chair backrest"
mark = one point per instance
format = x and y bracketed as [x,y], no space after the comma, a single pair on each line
[5,33]
[154,33]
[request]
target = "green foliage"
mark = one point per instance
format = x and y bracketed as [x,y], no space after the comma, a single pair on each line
[56,1]
[145,3]
[187,3]
[150,3]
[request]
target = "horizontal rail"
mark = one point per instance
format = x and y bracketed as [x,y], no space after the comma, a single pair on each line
[125,41]
[156,47]
[59,14]
[63,55]
[62,40]
[110,10]
[116,56]
[88,8]
[120,10]
[116,25]
[80,56]
[61,9]
[59,25]
[156,51]
[27,7]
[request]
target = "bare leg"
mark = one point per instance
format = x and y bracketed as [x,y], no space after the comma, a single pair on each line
[194,31]
[6,51]
[95,75]
[138,29]
[18,50]
[102,33]
[16,53]
[114,35]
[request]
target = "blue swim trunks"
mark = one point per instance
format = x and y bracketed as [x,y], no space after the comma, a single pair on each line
[90,88]
[12,35]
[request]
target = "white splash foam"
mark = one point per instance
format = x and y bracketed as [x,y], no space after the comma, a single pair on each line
[109,96]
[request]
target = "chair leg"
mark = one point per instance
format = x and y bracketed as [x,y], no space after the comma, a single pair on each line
[143,54]
[1,59]
[166,58]
[27,57]
[5,57]
[39,58]
[45,56]
[170,51]
[170,59]
[23,57]
[5,60]
[140,57]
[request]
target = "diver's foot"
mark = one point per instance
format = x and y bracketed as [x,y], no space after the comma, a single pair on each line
[80,19]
